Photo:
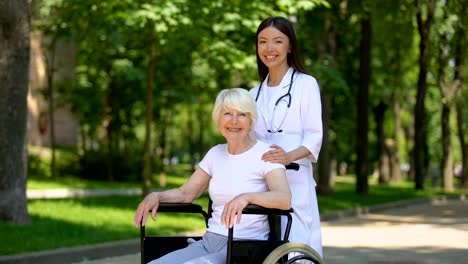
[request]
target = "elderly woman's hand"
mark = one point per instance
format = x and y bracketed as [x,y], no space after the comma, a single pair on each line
[233,208]
[151,202]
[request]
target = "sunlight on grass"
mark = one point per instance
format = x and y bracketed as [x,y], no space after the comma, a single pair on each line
[345,197]
[75,183]
[72,222]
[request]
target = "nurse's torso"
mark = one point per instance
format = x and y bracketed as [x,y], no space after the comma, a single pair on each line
[277,123]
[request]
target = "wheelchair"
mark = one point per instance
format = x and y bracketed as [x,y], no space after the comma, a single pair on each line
[276,249]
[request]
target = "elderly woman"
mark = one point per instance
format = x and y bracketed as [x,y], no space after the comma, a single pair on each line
[235,176]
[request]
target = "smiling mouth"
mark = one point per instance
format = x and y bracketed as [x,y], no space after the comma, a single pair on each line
[235,130]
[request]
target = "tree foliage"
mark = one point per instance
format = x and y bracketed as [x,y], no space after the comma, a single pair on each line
[203,47]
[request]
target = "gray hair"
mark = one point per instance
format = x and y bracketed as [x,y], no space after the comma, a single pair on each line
[238,99]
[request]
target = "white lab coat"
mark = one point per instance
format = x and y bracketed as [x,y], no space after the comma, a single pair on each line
[302,126]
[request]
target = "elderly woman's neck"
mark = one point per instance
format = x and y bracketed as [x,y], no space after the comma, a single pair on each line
[236,147]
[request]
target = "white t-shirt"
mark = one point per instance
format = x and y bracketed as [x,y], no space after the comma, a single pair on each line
[273,90]
[232,175]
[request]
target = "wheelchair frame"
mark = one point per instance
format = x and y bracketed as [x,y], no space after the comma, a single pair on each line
[238,251]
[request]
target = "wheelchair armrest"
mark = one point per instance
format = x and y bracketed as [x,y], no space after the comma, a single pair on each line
[256,209]
[178,208]
[181,208]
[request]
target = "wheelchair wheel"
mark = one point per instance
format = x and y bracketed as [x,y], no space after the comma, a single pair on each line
[292,252]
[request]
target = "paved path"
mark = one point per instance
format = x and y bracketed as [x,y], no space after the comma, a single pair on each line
[422,234]
[127,259]
[426,233]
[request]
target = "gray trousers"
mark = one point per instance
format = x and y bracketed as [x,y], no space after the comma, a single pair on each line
[209,250]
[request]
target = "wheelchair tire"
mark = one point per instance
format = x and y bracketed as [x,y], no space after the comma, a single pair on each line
[305,253]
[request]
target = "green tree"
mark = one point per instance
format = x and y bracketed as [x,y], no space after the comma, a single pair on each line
[362,163]
[460,72]
[449,87]
[424,18]
[320,32]
[393,60]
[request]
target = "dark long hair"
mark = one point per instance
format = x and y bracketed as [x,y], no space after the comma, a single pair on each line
[286,27]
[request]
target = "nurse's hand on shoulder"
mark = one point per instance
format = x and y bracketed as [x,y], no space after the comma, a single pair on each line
[276,155]
[233,209]
[151,202]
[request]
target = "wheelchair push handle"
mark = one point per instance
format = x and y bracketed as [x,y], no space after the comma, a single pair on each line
[293,166]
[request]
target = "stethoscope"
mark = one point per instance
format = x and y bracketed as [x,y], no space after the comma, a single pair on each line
[285,96]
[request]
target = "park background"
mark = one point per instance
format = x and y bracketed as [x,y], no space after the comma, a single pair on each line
[119,95]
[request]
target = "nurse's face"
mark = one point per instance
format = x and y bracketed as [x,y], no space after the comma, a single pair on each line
[273,47]
[234,125]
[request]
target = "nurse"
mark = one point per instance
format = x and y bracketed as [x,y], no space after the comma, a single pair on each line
[290,120]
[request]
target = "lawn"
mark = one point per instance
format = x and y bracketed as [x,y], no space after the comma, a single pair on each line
[345,197]
[72,222]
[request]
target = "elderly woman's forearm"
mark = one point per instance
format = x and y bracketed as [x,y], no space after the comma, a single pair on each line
[174,196]
[272,199]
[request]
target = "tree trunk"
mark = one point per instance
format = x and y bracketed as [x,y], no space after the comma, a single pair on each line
[383,163]
[84,140]
[447,154]
[395,175]
[147,151]
[326,167]
[109,128]
[324,179]
[110,149]
[202,149]
[51,104]
[448,95]
[392,166]
[191,136]
[460,49]
[14,78]
[419,109]
[162,149]
[463,145]
[362,163]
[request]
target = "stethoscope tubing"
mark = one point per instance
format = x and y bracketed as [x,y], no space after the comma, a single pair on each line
[288,95]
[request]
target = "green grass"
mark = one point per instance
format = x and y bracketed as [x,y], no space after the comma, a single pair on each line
[73,222]
[345,197]
[68,182]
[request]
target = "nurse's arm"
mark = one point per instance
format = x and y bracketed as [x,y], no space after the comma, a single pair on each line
[278,155]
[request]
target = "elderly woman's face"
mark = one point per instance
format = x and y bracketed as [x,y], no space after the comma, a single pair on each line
[234,125]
